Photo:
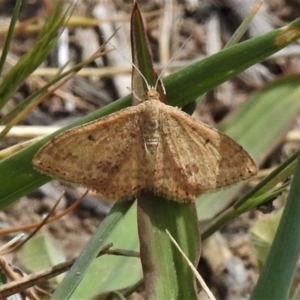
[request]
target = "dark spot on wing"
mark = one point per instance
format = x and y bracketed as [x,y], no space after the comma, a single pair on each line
[133,134]
[91,138]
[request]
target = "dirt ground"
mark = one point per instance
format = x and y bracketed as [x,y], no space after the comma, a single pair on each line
[204,28]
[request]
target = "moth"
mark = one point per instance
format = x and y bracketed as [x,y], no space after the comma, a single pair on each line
[148,147]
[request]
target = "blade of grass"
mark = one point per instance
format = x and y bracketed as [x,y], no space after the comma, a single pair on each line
[173,278]
[188,84]
[142,60]
[35,56]
[10,34]
[30,102]
[244,26]
[40,252]
[282,259]
[110,272]
[166,274]
[98,240]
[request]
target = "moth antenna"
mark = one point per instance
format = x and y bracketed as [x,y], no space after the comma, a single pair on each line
[159,78]
[162,85]
[135,95]
[136,68]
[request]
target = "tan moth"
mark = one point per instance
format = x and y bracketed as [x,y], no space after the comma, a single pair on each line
[149,147]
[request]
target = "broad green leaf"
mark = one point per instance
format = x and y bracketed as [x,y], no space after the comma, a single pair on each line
[102,275]
[40,252]
[262,235]
[93,247]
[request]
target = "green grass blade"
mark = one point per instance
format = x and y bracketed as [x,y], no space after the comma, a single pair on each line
[10,34]
[111,272]
[40,252]
[141,56]
[244,26]
[276,277]
[98,240]
[166,273]
[195,80]
[261,193]
[173,278]
[16,113]
[35,56]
